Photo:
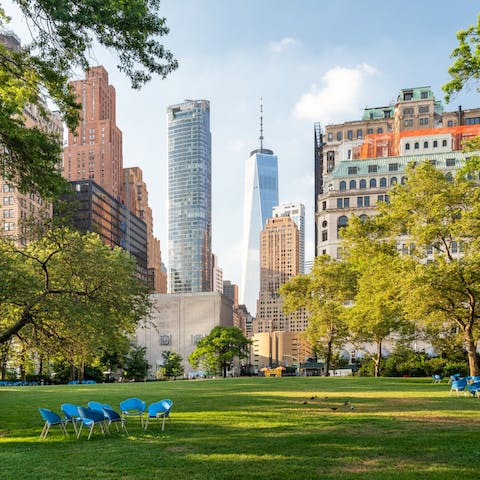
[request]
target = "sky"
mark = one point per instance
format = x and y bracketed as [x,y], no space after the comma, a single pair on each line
[310,61]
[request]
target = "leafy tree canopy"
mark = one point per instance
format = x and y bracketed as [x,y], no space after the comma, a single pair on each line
[63,35]
[69,293]
[466,66]
[219,348]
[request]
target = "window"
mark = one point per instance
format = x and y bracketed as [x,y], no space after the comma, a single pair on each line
[424,95]
[392,167]
[408,111]
[350,134]
[416,146]
[359,133]
[433,162]
[7,188]
[7,213]
[387,113]
[472,121]
[324,224]
[435,144]
[382,198]
[343,185]
[424,121]
[324,205]
[454,247]
[363,218]
[403,180]
[372,169]
[450,162]
[341,222]
[339,136]
[369,131]
[383,182]
[363,201]
[444,143]
[408,95]
[407,146]
[393,181]
[373,183]
[379,130]
[408,122]
[450,123]
[8,226]
[324,235]
[330,136]
[352,170]
[8,200]
[425,144]
[363,183]
[353,185]
[423,109]
[343,202]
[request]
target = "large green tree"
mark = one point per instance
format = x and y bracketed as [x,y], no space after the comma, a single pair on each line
[68,293]
[64,33]
[466,66]
[324,294]
[439,217]
[172,364]
[219,348]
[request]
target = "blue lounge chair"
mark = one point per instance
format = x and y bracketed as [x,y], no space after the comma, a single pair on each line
[133,407]
[71,415]
[437,378]
[90,418]
[159,410]
[51,418]
[459,386]
[113,417]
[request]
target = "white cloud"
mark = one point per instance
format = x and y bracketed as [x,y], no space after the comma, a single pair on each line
[237,146]
[340,96]
[282,45]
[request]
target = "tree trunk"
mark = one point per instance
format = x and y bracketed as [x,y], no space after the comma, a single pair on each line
[472,352]
[378,358]
[328,357]
[224,370]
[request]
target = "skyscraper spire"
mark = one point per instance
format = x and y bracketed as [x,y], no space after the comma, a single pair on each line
[261,123]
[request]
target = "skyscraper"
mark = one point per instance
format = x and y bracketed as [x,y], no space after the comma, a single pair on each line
[296,211]
[94,149]
[189,197]
[261,195]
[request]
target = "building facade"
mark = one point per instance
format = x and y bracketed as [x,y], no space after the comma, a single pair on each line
[135,196]
[93,209]
[279,261]
[361,160]
[94,149]
[261,195]
[296,211]
[178,322]
[189,197]
[15,207]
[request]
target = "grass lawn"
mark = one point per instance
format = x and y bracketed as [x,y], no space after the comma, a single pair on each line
[252,428]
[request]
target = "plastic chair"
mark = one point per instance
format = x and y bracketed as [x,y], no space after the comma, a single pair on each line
[459,386]
[133,407]
[159,410]
[90,418]
[437,378]
[51,418]
[71,415]
[112,416]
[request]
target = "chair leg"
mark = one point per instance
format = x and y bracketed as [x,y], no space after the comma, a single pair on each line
[163,424]
[125,428]
[64,429]
[44,429]
[80,430]
[91,430]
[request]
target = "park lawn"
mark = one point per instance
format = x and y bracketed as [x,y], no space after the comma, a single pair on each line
[252,428]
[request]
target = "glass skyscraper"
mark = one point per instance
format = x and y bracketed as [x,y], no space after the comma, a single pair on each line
[261,195]
[189,197]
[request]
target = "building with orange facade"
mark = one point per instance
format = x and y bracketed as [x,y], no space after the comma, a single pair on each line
[94,149]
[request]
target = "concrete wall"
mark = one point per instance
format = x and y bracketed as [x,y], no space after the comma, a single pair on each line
[178,322]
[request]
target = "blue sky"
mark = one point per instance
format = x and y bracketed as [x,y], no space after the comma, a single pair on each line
[310,60]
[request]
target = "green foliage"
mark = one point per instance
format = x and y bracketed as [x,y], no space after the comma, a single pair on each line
[136,364]
[466,66]
[69,294]
[63,35]
[323,293]
[219,348]
[172,364]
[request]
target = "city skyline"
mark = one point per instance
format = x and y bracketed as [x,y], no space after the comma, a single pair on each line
[311,62]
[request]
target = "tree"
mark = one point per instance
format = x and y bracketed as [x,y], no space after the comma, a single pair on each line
[324,293]
[136,364]
[63,35]
[172,364]
[68,293]
[219,348]
[439,214]
[466,66]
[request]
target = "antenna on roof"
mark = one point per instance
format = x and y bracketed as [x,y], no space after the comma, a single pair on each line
[261,123]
